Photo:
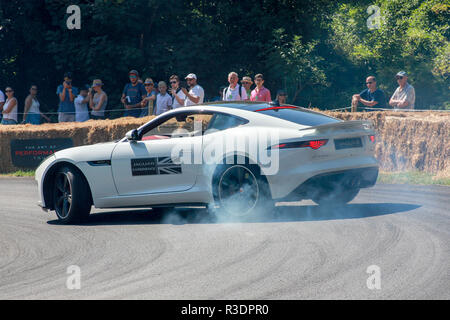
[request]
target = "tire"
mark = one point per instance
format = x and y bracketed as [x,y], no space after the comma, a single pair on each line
[71,196]
[337,198]
[241,192]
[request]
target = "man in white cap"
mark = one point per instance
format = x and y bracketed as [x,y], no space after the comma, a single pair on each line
[405,96]
[196,94]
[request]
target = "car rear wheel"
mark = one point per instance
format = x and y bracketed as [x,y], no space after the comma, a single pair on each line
[71,197]
[241,192]
[333,198]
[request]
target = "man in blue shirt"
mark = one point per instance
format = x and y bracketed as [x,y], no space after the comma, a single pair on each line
[66,94]
[132,96]
[370,97]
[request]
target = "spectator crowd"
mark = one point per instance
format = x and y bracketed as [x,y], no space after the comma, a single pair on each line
[141,98]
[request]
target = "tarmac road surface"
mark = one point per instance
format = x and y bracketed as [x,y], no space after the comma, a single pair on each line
[301,252]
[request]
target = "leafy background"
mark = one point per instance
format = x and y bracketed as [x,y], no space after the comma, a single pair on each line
[319,51]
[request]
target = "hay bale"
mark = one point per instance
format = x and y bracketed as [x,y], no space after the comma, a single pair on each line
[406,140]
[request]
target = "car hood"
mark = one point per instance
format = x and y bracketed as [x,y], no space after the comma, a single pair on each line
[96,152]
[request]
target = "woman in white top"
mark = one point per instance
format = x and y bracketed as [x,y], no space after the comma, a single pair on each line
[10,108]
[98,101]
[32,114]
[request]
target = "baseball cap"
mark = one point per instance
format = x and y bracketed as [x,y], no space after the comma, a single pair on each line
[133,72]
[402,74]
[191,76]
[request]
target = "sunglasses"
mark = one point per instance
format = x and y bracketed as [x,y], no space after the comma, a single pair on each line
[133,77]
[9,90]
[149,84]
[245,82]
[399,78]
[172,82]
[369,82]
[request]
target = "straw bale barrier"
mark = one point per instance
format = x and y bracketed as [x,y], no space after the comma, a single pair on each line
[405,141]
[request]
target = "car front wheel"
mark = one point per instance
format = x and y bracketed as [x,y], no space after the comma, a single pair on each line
[71,197]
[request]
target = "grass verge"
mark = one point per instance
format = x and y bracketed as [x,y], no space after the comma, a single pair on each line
[412,177]
[20,173]
[409,177]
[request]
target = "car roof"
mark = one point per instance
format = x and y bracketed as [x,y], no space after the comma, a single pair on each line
[248,110]
[251,106]
[242,105]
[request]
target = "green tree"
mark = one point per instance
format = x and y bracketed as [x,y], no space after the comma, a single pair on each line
[413,36]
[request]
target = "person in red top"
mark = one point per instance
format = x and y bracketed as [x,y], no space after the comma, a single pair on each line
[260,93]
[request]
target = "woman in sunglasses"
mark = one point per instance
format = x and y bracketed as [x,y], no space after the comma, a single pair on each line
[281,98]
[10,108]
[32,114]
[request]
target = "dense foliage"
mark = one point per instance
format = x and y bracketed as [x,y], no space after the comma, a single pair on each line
[320,51]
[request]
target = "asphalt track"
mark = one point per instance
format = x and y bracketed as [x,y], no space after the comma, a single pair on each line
[300,252]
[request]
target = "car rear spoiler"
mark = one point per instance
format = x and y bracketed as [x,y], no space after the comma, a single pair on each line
[353,125]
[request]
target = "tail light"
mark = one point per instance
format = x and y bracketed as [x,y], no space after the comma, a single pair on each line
[313,144]
[372,138]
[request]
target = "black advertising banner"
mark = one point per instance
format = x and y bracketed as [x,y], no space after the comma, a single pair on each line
[30,153]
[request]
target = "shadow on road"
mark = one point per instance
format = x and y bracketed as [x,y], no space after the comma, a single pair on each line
[281,213]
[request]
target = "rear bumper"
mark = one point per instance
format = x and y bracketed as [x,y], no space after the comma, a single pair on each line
[351,179]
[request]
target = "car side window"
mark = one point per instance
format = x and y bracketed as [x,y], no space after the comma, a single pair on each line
[179,126]
[222,121]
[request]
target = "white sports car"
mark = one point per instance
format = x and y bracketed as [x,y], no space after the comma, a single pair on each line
[233,157]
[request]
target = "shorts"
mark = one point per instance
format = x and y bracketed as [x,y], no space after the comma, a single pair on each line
[8,121]
[66,117]
[33,118]
[97,117]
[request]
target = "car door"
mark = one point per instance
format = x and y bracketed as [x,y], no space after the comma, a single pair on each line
[145,167]
[153,164]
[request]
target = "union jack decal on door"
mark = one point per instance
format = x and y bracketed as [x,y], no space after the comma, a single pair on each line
[154,166]
[166,166]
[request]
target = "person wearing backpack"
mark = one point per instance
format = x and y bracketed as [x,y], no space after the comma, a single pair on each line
[234,92]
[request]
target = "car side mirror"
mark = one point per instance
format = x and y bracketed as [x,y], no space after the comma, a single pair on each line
[132,135]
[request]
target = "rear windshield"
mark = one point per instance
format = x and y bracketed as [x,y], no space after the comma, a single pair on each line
[298,116]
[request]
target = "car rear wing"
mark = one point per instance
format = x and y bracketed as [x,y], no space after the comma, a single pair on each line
[351,126]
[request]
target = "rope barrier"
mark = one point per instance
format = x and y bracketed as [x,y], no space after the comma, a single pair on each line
[401,110]
[337,109]
[384,109]
[83,112]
